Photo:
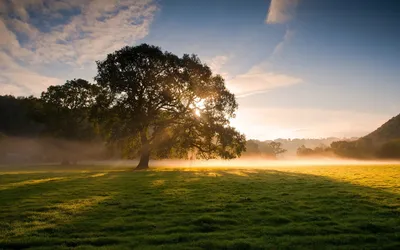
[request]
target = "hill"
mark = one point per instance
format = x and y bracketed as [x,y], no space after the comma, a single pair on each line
[385,133]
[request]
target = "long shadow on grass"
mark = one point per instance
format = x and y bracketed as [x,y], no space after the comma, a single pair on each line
[226,210]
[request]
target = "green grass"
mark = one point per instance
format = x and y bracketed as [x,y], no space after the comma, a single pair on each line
[342,207]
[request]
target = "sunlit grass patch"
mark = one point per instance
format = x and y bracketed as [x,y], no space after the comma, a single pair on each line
[214,174]
[376,176]
[79,205]
[98,175]
[177,192]
[157,183]
[29,182]
[207,173]
[238,173]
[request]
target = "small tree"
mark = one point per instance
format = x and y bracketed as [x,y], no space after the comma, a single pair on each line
[271,149]
[165,105]
[274,148]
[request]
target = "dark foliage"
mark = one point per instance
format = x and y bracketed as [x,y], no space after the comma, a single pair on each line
[20,116]
[390,150]
[154,102]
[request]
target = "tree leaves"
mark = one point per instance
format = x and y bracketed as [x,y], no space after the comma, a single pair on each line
[152,89]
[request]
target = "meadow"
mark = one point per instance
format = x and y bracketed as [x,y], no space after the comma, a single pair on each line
[97,207]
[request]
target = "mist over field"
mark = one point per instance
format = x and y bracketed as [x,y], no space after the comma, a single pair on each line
[247,163]
[52,151]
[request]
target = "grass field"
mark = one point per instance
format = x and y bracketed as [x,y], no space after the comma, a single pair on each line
[337,207]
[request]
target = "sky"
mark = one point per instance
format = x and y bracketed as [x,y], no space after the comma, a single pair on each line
[299,68]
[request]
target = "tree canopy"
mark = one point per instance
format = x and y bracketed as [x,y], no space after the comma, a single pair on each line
[165,105]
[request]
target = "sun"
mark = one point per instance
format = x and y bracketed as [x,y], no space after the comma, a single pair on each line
[198,106]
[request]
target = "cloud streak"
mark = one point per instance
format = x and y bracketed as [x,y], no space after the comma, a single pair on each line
[281,11]
[289,34]
[259,80]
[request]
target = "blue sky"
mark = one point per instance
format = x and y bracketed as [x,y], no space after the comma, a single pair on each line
[300,68]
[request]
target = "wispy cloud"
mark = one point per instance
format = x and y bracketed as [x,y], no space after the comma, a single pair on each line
[18,80]
[69,32]
[281,11]
[259,80]
[289,34]
[217,63]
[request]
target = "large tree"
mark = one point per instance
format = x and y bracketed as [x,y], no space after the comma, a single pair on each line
[154,102]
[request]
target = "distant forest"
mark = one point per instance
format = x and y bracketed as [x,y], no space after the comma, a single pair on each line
[291,146]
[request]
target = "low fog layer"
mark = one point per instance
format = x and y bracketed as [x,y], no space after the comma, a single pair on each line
[242,163]
[51,151]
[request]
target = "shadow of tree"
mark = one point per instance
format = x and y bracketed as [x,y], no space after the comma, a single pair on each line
[257,210]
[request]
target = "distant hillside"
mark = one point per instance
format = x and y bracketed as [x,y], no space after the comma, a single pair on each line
[385,133]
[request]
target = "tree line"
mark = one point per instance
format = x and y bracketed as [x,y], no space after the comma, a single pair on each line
[362,148]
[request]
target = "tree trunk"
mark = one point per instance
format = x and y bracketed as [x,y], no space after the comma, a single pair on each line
[144,158]
[145,153]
